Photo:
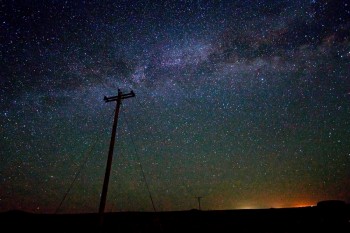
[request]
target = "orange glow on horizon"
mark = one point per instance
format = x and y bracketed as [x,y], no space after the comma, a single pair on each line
[274,204]
[303,205]
[293,205]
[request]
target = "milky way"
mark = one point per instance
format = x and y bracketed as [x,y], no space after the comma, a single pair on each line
[245,103]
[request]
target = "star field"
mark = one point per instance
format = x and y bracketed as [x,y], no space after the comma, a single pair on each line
[245,103]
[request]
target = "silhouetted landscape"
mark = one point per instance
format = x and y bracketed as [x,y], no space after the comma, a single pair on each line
[158,104]
[325,217]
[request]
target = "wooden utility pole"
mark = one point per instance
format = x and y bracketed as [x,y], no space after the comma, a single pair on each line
[118,99]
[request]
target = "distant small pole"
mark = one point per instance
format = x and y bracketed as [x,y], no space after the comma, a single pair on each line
[199,202]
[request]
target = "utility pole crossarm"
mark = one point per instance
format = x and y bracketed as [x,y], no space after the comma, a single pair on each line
[115,98]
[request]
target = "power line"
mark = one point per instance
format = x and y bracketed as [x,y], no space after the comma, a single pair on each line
[162,152]
[140,165]
[75,177]
[87,156]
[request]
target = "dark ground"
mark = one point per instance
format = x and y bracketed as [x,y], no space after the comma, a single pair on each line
[306,219]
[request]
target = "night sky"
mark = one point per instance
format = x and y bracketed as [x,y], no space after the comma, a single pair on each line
[245,103]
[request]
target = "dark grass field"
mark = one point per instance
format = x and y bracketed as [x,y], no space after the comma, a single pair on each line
[306,219]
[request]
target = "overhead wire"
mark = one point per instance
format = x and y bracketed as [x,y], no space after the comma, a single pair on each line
[75,177]
[140,164]
[81,167]
[189,193]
